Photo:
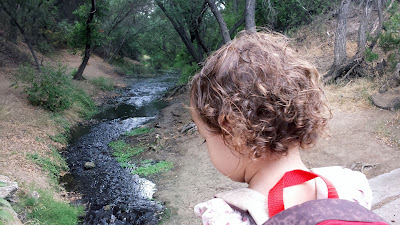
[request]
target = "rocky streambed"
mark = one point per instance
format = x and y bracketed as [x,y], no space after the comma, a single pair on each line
[112,194]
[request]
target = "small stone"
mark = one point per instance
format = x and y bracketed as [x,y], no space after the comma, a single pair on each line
[89,165]
[107,207]
[35,195]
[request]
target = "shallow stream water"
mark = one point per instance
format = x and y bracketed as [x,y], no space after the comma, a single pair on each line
[113,195]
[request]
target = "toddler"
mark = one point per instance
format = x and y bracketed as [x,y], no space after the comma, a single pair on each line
[256,105]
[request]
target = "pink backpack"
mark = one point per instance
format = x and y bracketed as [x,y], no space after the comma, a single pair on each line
[331,211]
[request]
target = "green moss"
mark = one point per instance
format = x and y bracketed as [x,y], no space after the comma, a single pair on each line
[124,152]
[150,169]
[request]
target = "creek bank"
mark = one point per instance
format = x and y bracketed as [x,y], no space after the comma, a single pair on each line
[113,194]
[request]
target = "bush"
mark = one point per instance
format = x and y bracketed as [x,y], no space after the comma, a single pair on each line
[53,90]
[50,89]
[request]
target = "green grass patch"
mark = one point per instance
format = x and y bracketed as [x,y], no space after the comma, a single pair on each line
[103,83]
[139,130]
[124,152]
[5,215]
[61,138]
[149,169]
[47,210]
[53,163]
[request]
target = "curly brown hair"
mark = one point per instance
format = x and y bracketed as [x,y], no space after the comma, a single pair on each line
[256,93]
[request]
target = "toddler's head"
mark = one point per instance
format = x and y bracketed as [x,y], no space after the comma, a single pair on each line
[259,96]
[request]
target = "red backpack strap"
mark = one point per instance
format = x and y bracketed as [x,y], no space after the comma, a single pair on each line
[292,178]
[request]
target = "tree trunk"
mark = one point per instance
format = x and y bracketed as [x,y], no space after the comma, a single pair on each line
[380,14]
[362,30]
[235,6]
[182,34]
[250,16]
[220,19]
[340,38]
[236,26]
[88,48]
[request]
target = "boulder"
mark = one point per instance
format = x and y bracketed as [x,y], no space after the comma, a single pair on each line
[389,100]
[7,187]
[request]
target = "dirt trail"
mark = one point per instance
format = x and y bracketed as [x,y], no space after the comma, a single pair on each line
[355,142]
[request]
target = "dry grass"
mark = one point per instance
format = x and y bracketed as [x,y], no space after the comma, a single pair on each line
[388,131]
[351,95]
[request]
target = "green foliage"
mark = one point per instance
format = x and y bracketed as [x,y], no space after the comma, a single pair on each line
[187,68]
[37,19]
[148,169]
[52,89]
[390,38]
[47,210]
[77,36]
[61,138]
[288,14]
[130,69]
[138,131]
[103,83]
[370,56]
[53,163]
[2,184]
[5,215]
[124,152]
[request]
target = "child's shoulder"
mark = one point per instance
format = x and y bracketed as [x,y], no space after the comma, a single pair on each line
[238,206]
[350,185]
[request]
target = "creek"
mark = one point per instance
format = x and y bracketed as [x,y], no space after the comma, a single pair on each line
[112,194]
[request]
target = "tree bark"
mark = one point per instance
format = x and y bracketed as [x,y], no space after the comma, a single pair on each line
[182,34]
[220,19]
[340,38]
[250,16]
[235,5]
[88,47]
[362,30]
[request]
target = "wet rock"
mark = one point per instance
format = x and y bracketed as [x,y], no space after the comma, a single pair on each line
[89,165]
[389,100]
[7,187]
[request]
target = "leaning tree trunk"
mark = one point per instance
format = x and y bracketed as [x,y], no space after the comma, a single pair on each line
[250,16]
[220,19]
[340,43]
[27,39]
[181,31]
[88,48]
[362,31]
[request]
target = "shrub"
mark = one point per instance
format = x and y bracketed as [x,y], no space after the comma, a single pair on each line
[53,90]
[50,89]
